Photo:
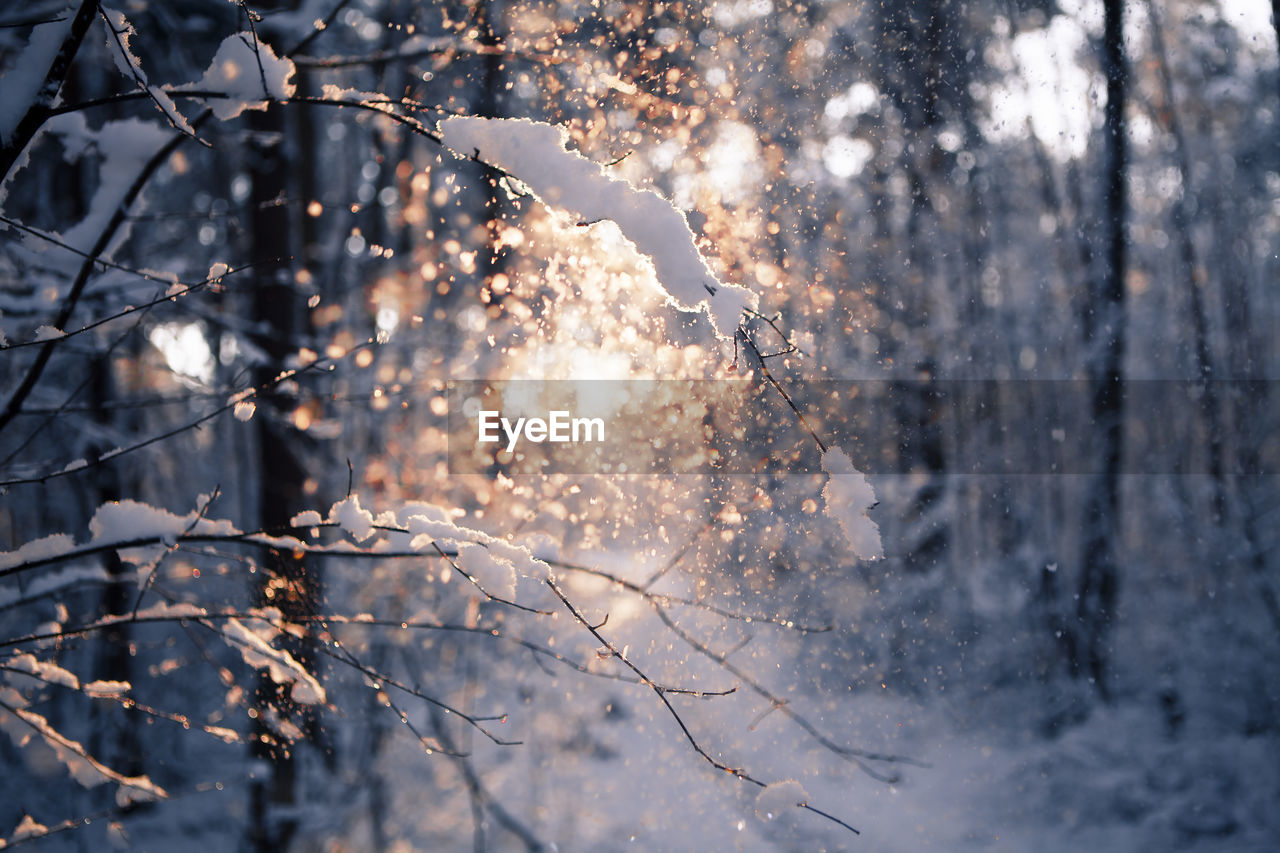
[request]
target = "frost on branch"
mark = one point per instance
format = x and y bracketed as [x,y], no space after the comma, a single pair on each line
[306,518]
[50,673]
[429,524]
[252,638]
[21,724]
[495,574]
[125,521]
[49,582]
[535,153]
[847,497]
[235,72]
[22,83]
[37,549]
[28,828]
[123,147]
[128,64]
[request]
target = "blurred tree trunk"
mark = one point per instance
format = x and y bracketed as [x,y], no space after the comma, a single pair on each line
[1194,275]
[29,125]
[280,317]
[493,260]
[917,43]
[1275,21]
[116,737]
[1105,344]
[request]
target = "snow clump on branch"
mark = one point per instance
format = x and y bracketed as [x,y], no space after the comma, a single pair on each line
[847,497]
[235,72]
[534,153]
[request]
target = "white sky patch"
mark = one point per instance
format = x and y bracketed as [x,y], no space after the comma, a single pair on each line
[732,162]
[844,156]
[730,14]
[859,98]
[593,365]
[1252,19]
[185,349]
[1046,84]
[1088,13]
[388,317]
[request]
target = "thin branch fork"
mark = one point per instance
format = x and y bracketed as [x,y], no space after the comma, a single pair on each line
[777,386]
[40,111]
[778,703]
[479,793]
[184,290]
[684,728]
[34,373]
[117,37]
[209,620]
[235,399]
[661,598]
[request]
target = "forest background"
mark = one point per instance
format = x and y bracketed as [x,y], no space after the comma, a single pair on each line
[1017,258]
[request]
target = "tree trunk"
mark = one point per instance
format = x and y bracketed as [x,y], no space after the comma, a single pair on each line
[1095,602]
[287,583]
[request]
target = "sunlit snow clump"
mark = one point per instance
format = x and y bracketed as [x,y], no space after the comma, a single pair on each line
[535,153]
[847,497]
[235,71]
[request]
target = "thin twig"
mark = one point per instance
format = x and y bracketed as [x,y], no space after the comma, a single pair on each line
[117,37]
[155,564]
[764,368]
[476,788]
[684,728]
[236,399]
[778,703]
[317,30]
[77,288]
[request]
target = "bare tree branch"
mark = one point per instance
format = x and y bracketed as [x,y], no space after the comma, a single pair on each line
[684,728]
[77,287]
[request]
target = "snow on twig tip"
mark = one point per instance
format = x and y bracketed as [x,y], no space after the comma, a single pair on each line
[535,154]
[353,518]
[847,497]
[774,800]
[119,34]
